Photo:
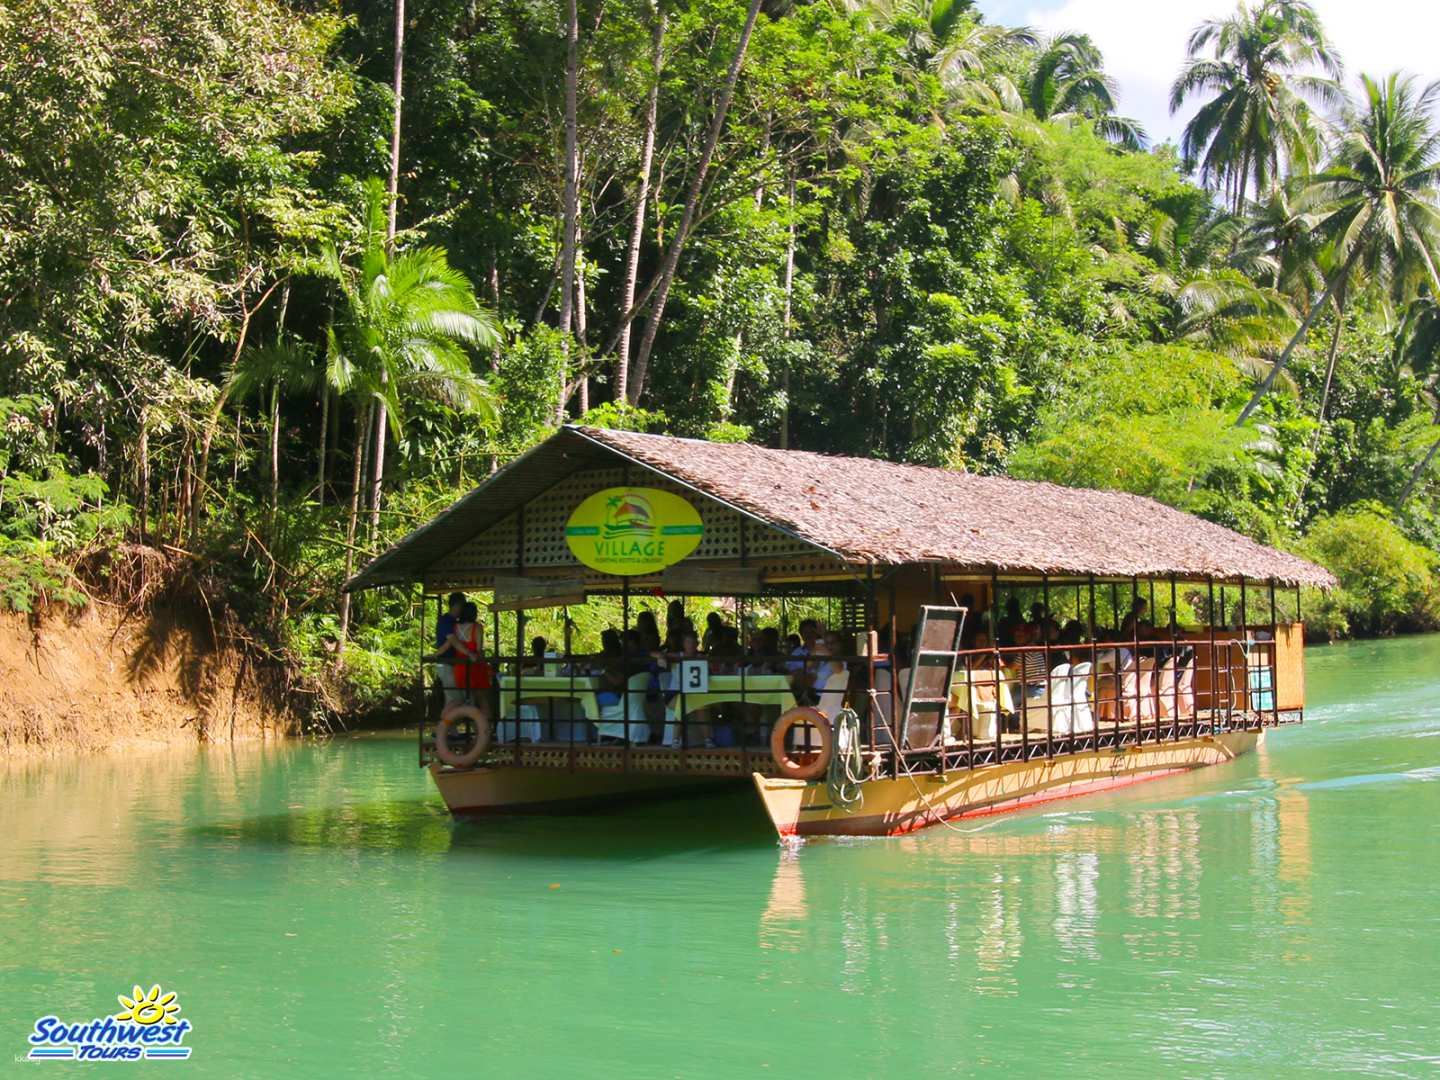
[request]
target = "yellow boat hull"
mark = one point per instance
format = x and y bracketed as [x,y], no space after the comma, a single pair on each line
[519,790]
[889,807]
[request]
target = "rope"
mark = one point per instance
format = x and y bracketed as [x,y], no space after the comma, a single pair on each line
[847,767]
[940,818]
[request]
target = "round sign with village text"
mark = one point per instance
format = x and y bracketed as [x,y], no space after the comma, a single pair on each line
[633,530]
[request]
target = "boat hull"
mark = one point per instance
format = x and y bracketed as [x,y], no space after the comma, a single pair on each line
[519,790]
[889,807]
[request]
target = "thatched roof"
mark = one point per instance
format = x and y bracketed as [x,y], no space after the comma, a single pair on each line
[863,511]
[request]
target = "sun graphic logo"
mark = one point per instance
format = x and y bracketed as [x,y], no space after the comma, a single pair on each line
[151,1008]
[149,1026]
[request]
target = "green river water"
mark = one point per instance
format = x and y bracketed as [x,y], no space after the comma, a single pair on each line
[319,915]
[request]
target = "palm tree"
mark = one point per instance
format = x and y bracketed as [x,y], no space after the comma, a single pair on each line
[1382,199]
[403,326]
[1280,244]
[1259,119]
[924,25]
[945,37]
[1211,282]
[969,57]
[1068,82]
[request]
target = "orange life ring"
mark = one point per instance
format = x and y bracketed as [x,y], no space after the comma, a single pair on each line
[479,714]
[809,764]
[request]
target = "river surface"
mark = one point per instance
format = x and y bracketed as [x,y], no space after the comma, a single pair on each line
[320,915]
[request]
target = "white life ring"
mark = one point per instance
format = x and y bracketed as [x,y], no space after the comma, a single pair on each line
[479,715]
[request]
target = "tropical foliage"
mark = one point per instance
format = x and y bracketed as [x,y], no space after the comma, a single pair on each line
[880,227]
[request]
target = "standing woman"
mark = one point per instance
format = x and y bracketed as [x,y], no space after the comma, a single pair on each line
[468,640]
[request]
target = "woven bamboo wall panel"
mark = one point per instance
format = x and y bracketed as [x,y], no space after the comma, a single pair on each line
[497,547]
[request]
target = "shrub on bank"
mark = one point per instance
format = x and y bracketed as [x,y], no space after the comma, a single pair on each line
[1388,582]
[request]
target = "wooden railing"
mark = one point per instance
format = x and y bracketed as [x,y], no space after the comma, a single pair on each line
[1140,691]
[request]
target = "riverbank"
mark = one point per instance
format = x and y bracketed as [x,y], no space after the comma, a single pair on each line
[95,679]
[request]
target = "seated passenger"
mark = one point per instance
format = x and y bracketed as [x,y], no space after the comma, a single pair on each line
[725,652]
[1033,670]
[535,663]
[1134,623]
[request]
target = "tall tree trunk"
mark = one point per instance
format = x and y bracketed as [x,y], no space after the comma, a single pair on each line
[1419,470]
[789,295]
[1239,205]
[377,467]
[332,453]
[356,483]
[642,196]
[324,435]
[581,319]
[144,478]
[275,411]
[570,210]
[1336,281]
[274,448]
[1324,405]
[495,303]
[1418,473]
[399,86]
[377,458]
[692,205]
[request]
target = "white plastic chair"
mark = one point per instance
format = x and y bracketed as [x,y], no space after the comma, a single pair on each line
[1186,685]
[1061,716]
[1082,719]
[613,717]
[1146,703]
[989,696]
[1036,708]
[1165,684]
[832,694]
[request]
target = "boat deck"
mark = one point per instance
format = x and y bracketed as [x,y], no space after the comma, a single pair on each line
[744,761]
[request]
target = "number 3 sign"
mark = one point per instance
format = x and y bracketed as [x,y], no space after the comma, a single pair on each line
[695,676]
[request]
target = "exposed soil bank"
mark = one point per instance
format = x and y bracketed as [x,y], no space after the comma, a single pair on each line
[95,681]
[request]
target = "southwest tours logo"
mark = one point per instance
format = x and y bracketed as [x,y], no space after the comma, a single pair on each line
[148,1027]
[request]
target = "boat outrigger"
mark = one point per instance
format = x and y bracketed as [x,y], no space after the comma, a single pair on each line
[918,693]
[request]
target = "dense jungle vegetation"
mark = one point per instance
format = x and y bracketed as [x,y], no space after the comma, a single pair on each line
[279,278]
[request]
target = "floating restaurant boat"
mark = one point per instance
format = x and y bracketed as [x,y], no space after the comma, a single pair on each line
[930,714]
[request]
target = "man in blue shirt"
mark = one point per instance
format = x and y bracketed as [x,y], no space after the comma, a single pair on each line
[444,627]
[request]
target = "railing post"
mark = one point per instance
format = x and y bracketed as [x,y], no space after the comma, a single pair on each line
[1214,679]
[1174,664]
[1245,650]
[1135,633]
[1094,669]
[1049,665]
[1274,660]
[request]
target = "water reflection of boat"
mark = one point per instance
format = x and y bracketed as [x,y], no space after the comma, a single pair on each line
[907,717]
